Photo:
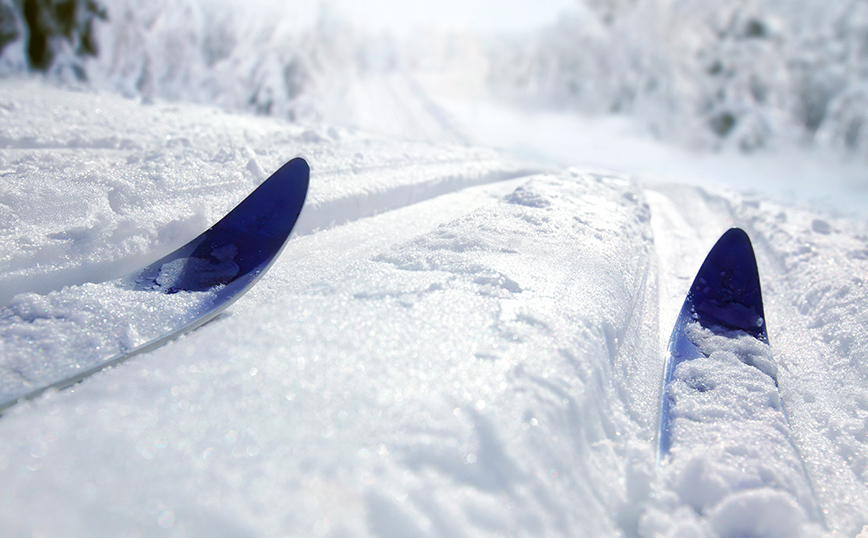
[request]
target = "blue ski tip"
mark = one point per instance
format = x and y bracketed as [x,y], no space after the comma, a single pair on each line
[238,249]
[257,228]
[226,260]
[725,295]
[726,292]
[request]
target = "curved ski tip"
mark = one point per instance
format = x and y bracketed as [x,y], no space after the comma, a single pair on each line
[726,291]
[298,167]
[236,250]
[273,207]
[296,174]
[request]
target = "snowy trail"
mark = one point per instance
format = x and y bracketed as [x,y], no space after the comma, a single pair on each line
[454,345]
[186,169]
[393,104]
[508,320]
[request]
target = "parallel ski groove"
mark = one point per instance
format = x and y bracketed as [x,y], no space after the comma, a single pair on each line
[225,261]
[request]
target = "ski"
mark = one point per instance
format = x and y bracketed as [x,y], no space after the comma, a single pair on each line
[720,398]
[198,281]
[726,295]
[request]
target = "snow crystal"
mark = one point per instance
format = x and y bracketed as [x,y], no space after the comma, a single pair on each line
[47,338]
[732,458]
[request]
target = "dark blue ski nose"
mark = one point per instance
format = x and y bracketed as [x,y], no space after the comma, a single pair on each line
[726,292]
[252,234]
[725,295]
[235,251]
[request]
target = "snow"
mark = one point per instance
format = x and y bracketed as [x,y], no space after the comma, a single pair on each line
[455,342]
[711,73]
[451,345]
[48,338]
[733,459]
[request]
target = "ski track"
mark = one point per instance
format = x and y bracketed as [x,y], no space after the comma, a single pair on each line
[452,344]
[108,224]
[813,321]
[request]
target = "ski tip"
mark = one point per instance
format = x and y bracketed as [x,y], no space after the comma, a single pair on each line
[272,209]
[298,168]
[296,175]
[726,292]
[241,246]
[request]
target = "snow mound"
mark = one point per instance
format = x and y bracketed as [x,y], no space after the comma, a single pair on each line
[44,338]
[87,201]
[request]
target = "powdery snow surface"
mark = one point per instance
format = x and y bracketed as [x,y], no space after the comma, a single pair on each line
[732,461]
[452,344]
[49,338]
[93,185]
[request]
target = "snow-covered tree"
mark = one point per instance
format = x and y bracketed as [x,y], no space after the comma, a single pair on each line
[712,73]
[52,35]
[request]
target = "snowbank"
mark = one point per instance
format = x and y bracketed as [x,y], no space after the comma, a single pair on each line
[96,185]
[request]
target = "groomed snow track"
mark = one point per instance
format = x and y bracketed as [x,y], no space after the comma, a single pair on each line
[453,344]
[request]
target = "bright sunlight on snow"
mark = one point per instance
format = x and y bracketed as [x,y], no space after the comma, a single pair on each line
[465,335]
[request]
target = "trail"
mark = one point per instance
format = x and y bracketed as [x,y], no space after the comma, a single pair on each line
[393,104]
[125,201]
[456,342]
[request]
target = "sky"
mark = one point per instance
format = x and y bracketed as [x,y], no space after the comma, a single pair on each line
[403,16]
[397,15]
